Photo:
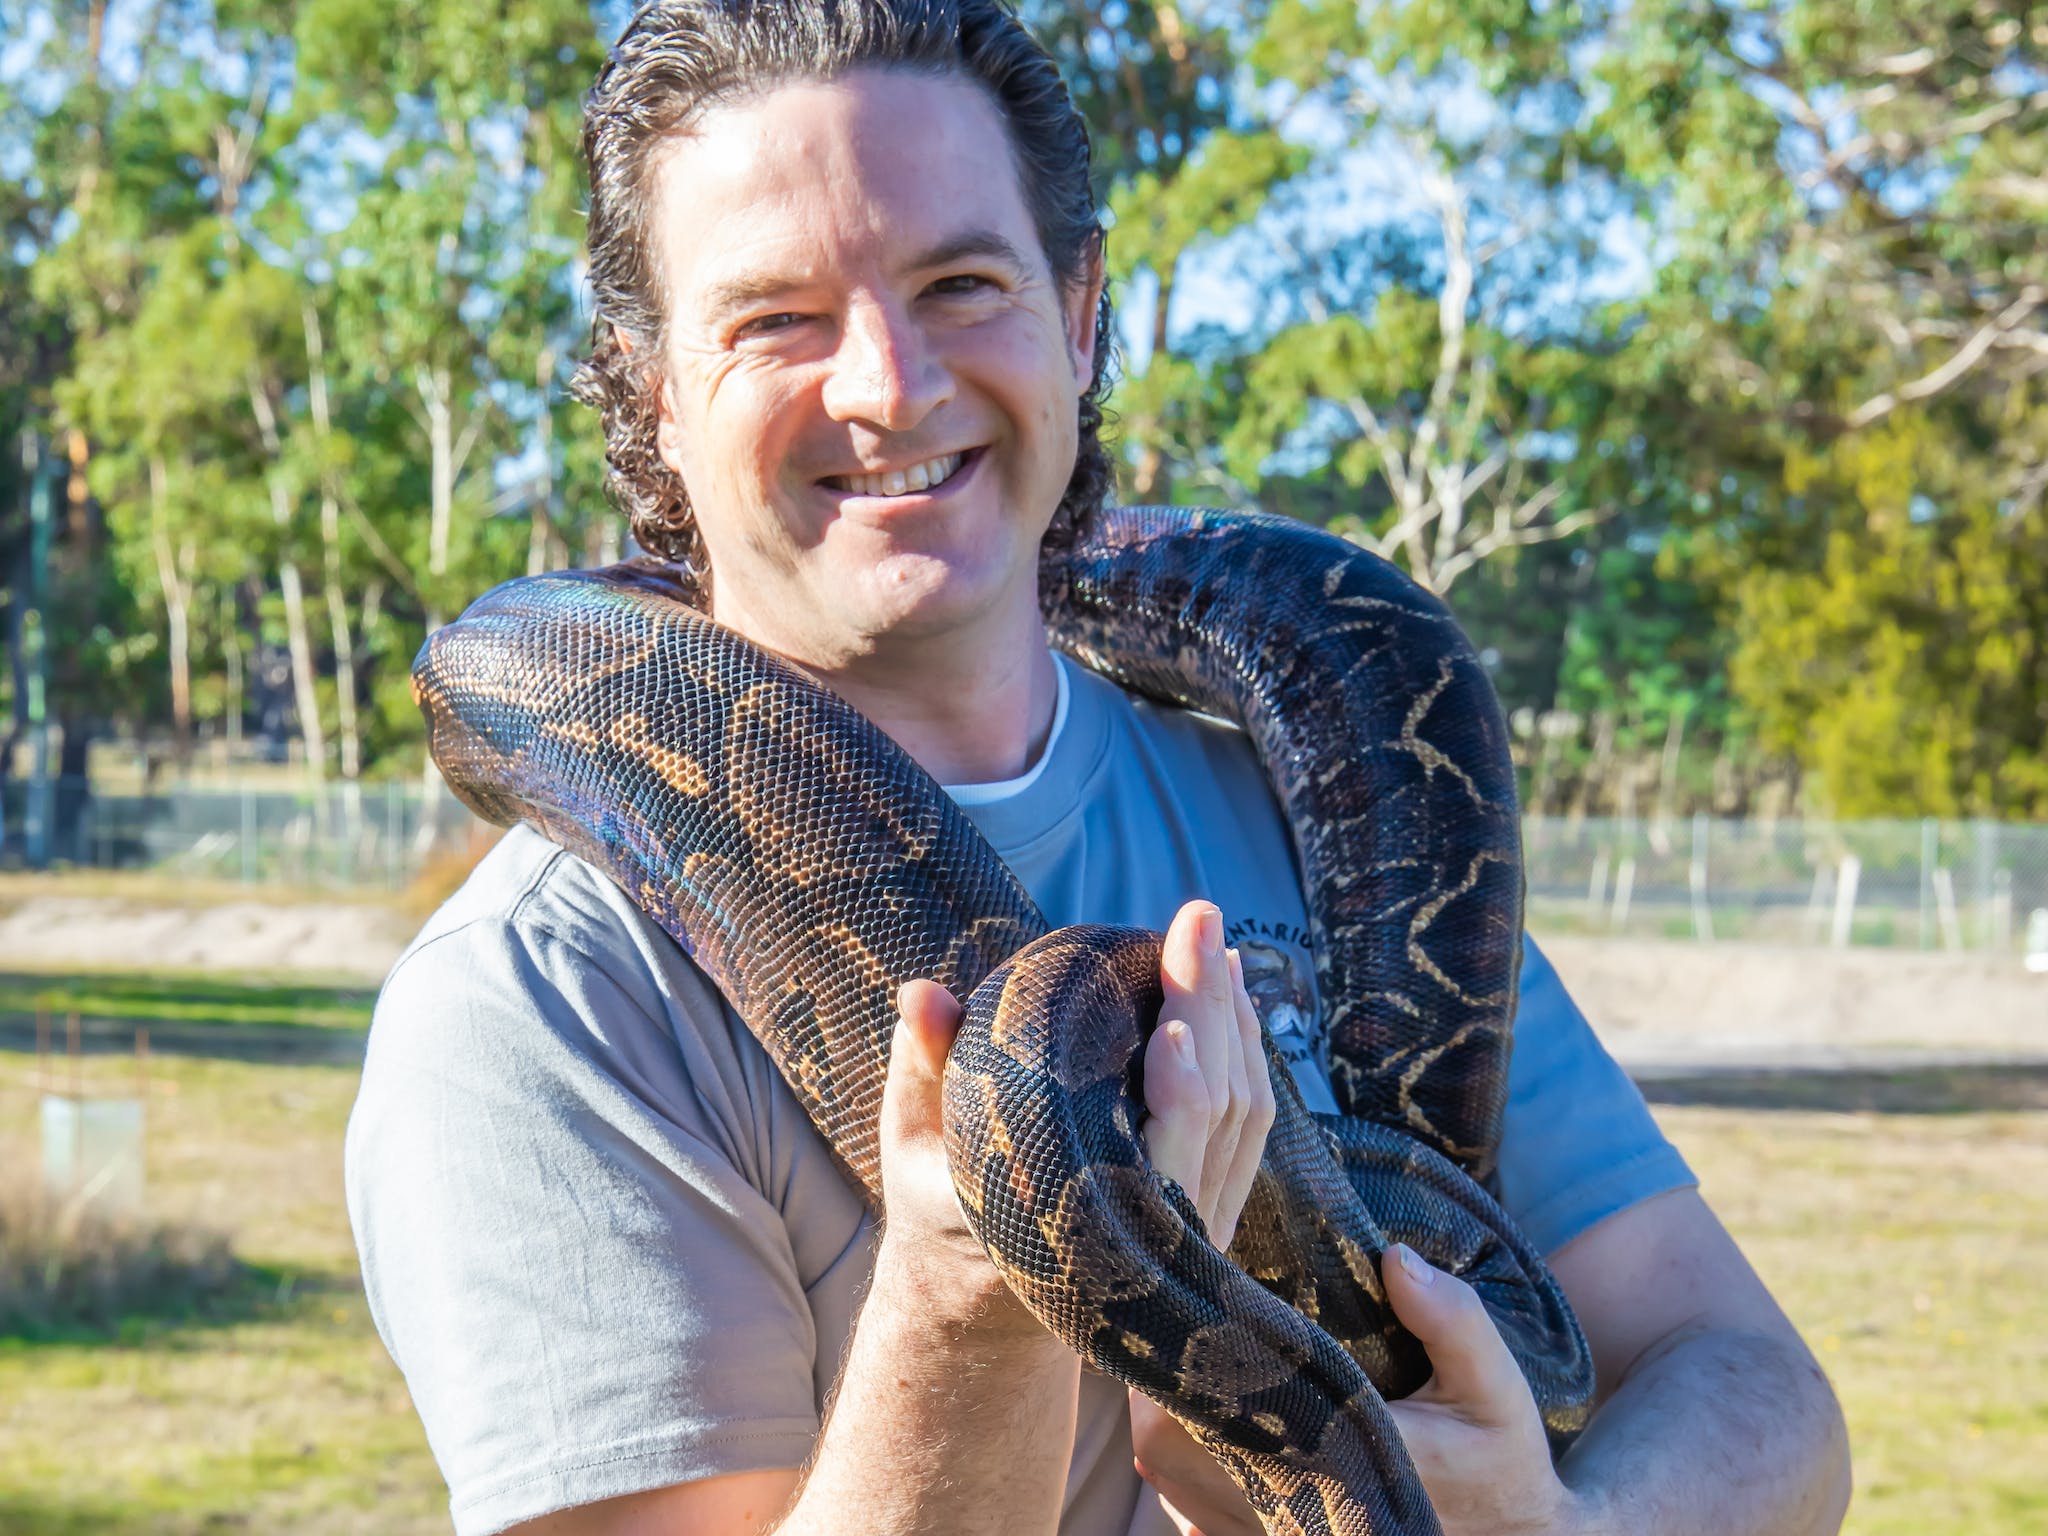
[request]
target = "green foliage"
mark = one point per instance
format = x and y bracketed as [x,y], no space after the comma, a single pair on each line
[1904,663]
[1694,343]
[1841,335]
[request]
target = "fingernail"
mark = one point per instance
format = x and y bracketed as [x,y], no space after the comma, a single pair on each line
[1236,968]
[1412,1263]
[1183,1040]
[1212,933]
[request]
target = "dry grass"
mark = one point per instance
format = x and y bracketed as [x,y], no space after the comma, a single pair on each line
[1903,1221]
[281,1413]
[445,869]
[65,1270]
[1910,1249]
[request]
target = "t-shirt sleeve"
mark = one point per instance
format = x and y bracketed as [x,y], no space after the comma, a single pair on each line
[586,1294]
[1578,1143]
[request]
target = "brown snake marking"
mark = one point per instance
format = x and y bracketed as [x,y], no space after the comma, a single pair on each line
[810,867]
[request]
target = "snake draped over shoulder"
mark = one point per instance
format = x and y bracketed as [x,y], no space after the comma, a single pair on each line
[810,867]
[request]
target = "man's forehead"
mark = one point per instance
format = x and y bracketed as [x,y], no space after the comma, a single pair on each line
[793,185]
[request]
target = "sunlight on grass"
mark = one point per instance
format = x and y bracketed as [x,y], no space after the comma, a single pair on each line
[154,997]
[1902,1222]
[1909,1249]
[282,1415]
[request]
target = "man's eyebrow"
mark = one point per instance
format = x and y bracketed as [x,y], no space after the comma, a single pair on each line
[748,289]
[743,292]
[971,243]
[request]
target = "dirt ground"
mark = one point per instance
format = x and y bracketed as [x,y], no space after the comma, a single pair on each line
[1659,1004]
[1662,1004]
[60,929]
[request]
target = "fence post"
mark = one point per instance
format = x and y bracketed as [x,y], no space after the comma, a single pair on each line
[1845,900]
[1930,855]
[1702,915]
[1624,890]
[394,813]
[248,837]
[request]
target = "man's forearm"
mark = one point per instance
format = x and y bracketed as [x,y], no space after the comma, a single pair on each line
[940,1428]
[1717,1432]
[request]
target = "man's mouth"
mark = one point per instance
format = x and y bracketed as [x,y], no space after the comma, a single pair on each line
[927,476]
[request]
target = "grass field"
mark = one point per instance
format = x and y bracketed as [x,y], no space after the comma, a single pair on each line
[1903,1220]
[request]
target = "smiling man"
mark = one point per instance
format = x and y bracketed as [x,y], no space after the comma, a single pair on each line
[850,354]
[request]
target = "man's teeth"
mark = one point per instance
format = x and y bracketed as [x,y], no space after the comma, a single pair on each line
[900,482]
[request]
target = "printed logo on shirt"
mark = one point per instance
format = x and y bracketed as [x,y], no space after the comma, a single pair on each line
[1281,982]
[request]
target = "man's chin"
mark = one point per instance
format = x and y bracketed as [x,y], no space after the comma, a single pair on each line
[915,597]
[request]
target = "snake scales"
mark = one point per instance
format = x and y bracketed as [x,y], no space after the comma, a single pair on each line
[809,866]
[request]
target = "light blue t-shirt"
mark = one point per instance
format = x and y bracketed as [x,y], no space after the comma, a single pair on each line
[610,1252]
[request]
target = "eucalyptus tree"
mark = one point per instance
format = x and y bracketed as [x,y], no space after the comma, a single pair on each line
[105,184]
[1423,304]
[452,275]
[1184,157]
[1849,327]
[1853,202]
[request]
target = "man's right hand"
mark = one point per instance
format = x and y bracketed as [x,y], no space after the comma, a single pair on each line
[937,1309]
[1209,1102]
[927,1252]
[1208,1097]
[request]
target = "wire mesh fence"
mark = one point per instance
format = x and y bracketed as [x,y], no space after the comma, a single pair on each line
[1976,885]
[1942,885]
[343,836]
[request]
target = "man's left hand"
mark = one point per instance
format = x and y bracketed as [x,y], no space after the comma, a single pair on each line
[1473,1430]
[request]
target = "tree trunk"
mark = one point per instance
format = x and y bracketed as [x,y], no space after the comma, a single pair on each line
[1150,470]
[330,558]
[434,391]
[231,650]
[541,540]
[298,636]
[177,610]
[344,645]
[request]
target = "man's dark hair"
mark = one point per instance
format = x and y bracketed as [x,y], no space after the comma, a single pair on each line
[679,58]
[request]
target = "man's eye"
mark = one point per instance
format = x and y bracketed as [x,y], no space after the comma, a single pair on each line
[767,325]
[962,282]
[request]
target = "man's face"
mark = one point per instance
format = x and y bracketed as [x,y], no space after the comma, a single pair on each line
[859,303]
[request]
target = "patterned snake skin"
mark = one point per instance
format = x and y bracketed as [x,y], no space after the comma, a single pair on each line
[810,867]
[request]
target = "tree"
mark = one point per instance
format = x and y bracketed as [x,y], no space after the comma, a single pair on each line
[1847,334]
[1414,242]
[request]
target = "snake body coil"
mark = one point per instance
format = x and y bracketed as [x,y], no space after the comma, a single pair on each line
[810,867]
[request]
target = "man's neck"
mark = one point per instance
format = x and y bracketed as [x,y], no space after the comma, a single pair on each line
[971,709]
[974,719]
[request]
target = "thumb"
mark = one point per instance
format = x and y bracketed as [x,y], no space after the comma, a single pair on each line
[1474,1373]
[928,1017]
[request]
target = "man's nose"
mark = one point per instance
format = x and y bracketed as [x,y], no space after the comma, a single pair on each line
[885,373]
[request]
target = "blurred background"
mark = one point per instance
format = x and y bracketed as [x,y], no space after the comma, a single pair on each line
[1697,351]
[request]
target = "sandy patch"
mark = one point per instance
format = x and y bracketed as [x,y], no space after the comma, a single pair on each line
[1659,1002]
[1654,1002]
[340,940]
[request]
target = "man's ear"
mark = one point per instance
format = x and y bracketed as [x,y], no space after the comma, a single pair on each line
[668,434]
[1084,309]
[668,437]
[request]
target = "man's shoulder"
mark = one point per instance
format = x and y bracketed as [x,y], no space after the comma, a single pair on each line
[530,892]
[537,938]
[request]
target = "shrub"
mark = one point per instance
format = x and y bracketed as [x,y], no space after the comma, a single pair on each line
[62,1269]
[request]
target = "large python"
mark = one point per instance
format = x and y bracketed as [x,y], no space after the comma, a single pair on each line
[810,867]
